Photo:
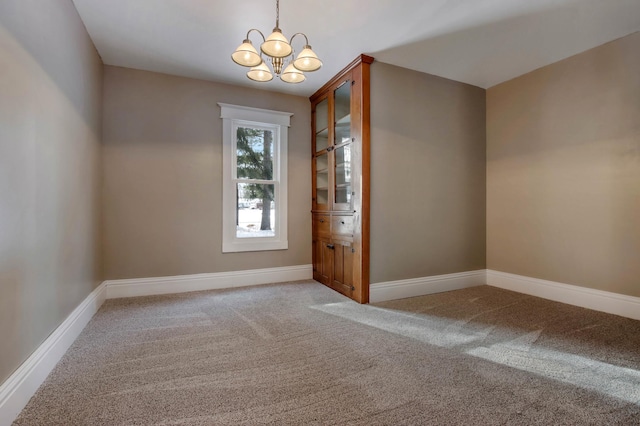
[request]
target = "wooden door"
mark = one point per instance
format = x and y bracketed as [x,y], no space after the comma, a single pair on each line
[342,277]
[327,261]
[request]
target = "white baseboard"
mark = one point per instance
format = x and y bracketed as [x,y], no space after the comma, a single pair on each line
[199,282]
[598,300]
[391,290]
[18,389]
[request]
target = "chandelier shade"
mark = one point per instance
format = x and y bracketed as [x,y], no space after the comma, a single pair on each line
[292,75]
[276,45]
[279,51]
[246,55]
[307,60]
[260,73]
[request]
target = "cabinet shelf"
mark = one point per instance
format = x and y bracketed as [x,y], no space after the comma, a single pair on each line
[322,171]
[344,121]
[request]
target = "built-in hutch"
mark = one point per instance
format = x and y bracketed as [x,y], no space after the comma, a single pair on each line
[340,170]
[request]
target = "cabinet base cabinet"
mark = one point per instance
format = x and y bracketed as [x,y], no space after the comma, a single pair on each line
[334,263]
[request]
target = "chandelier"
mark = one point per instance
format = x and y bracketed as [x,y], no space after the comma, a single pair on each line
[277,50]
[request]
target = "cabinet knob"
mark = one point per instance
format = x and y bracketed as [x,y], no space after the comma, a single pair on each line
[330,246]
[342,222]
[321,220]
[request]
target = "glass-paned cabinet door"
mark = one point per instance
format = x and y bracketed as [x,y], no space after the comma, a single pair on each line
[322,180]
[342,113]
[343,175]
[322,125]
[343,147]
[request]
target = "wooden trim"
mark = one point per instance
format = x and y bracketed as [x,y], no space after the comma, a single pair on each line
[357,61]
[366,176]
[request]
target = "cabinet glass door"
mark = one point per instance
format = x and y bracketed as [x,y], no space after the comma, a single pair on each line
[322,177]
[322,125]
[343,175]
[321,161]
[342,142]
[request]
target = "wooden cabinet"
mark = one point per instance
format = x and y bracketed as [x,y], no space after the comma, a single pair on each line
[340,171]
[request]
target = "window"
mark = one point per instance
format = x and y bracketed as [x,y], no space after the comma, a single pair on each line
[254,193]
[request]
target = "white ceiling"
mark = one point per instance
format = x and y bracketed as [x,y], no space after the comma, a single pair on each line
[480,42]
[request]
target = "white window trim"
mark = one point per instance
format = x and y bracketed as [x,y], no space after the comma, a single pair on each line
[232,116]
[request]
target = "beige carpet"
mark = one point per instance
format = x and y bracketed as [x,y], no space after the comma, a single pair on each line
[300,354]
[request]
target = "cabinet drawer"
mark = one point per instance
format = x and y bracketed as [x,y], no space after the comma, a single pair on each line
[321,224]
[342,225]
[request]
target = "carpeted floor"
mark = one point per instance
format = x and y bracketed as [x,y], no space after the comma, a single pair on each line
[301,354]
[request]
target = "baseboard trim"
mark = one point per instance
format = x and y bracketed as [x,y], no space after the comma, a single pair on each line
[598,300]
[199,282]
[391,290]
[18,389]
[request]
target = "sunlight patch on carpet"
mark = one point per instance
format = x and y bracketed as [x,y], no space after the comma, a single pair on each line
[520,353]
[432,330]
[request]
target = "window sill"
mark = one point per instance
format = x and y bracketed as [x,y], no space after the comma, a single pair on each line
[241,246]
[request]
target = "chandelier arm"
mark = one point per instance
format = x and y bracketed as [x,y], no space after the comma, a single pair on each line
[303,35]
[260,32]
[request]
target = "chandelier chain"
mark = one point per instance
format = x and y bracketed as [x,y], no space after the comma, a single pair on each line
[277,13]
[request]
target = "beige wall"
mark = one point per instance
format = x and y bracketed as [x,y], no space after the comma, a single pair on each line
[427,175]
[162,164]
[50,100]
[563,174]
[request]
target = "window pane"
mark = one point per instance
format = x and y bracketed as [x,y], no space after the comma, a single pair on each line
[254,153]
[255,210]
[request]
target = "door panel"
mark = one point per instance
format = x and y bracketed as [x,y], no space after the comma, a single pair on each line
[324,262]
[343,266]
